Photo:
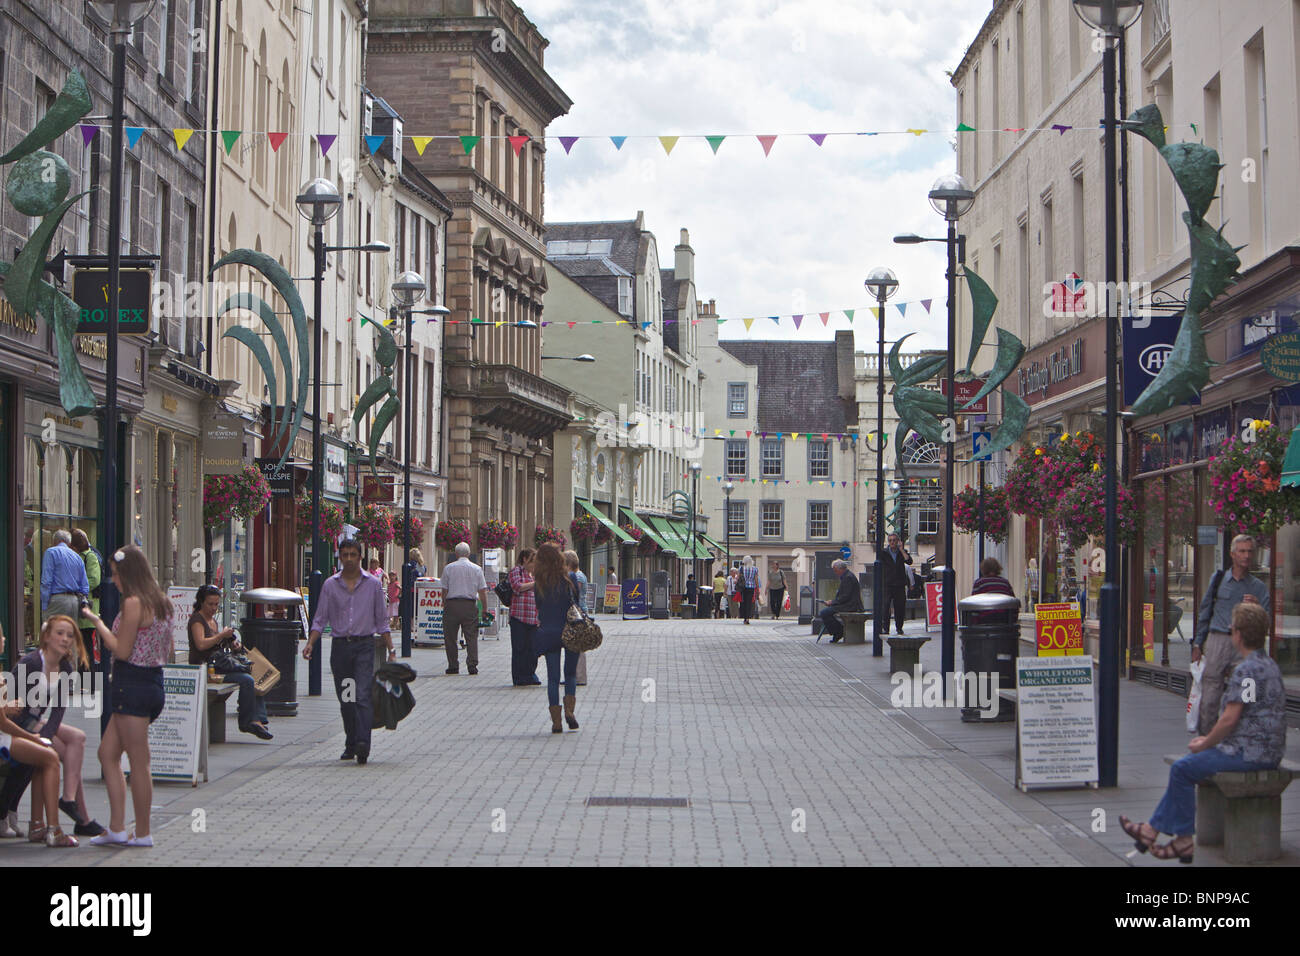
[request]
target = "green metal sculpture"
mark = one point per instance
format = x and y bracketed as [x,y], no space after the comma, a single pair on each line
[1214,264]
[288,415]
[386,356]
[38,186]
[919,408]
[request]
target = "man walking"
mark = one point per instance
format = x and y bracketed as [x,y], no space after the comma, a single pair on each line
[894,560]
[354,607]
[63,578]
[775,590]
[1228,588]
[847,598]
[465,586]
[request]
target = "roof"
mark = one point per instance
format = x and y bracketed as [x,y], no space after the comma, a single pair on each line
[411,177]
[798,386]
[670,288]
[626,237]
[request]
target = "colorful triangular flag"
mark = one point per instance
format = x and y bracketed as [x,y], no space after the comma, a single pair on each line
[849,314]
[797,320]
[325,141]
[965,128]
[421,143]
[517,142]
[567,142]
[715,142]
[228,138]
[775,318]
[618,141]
[825,317]
[668,142]
[88,131]
[748,323]
[925,304]
[133,134]
[374,142]
[767,142]
[469,142]
[276,139]
[902,308]
[182,137]
[917,132]
[1061,128]
[817,138]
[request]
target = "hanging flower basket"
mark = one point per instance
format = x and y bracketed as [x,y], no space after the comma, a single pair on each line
[226,497]
[545,533]
[451,532]
[644,543]
[331,519]
[374,526]
[1246,483]
[497,534]
[997,512]
[1081,513]
[588,528]
[1042,473]
[414,536]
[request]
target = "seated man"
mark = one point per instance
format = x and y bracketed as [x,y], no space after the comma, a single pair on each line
[1249,735]
[847,598]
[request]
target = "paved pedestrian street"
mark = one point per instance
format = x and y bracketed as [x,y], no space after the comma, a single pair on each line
[780,757]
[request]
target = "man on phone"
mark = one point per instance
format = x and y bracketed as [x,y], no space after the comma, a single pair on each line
[353,605]
[894,559]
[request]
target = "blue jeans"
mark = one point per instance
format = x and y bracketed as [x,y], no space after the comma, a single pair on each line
[523,662]
[830,623]
[252,709]
[553,675]
[1176,812]
[354,660]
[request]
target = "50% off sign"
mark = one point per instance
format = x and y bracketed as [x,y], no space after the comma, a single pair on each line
[1059,628]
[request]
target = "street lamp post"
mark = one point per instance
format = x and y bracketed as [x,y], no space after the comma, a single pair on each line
[122,15]
[318,203]
[1110,18]
[882,283]
[690,542]
[727,488]
[408,287]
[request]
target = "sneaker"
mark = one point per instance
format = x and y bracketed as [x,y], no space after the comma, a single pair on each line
[70,808]
[146,841]
[109,838]
[92,828]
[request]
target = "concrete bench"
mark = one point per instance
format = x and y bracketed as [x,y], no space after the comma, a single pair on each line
[855,626]
[1242,811]
[218,694]
[904,653]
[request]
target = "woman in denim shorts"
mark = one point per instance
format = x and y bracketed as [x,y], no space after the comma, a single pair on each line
[141,642]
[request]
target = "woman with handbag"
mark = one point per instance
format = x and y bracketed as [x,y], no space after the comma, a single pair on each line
[141,643]
[213,647]
[555,598]
[579,581]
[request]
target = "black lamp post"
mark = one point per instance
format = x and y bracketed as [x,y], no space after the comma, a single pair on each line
[727,488]
[952,198]
[408,287]
[1110,18]
[123,15]
[882,283]
[318,203]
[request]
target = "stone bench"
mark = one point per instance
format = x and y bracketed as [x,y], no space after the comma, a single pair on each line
[1242,811]
[218,694]
[904,653]
[855,626]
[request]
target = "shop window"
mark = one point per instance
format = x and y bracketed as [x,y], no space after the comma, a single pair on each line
[1151,448]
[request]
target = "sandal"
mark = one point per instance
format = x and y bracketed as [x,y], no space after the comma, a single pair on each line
[55,837]
[1136,831]
[1180,847]
[36,831]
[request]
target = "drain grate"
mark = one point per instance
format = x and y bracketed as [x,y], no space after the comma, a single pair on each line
[638,802]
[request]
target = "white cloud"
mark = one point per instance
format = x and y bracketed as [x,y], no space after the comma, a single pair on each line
[795,231]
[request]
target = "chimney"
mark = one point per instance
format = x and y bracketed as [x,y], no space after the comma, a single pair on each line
[684,260]
[844,364]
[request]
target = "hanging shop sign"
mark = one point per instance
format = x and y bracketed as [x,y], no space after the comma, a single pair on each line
[965,392]
[278,475]
[336,470]
[1280,356]
[382,488]
[1255,331]
[1148,340]
[223,446]
[135,295]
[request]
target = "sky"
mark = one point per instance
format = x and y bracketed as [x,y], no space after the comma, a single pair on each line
[794,232]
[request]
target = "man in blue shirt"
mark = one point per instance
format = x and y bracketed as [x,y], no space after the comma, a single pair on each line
[63,578]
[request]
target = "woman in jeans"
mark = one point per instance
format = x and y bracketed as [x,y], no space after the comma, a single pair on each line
[555,595]
[1250,735]
[579,580]
[523,622]
[749,586]
[140,642]
[204,641]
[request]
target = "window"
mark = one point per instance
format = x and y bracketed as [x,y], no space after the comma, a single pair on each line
[737,515]
[819,459]
[819,519]
[193,242]
[164,221]
[770,524]
[1080,257]
[1045,52]
[773,460]
[737,401]
[625,295]
[1214,133]
[1049,256]
[131,207]
[194,62]
[737,457]
[165,38]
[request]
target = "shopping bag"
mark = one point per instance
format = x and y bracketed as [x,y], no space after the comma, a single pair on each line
[1194,698]
[265,674]
[786,605]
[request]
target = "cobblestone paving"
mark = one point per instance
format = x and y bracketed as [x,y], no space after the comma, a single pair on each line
[782,759]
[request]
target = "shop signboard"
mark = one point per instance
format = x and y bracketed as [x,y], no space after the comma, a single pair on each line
[1148,632]
[965,392]
[1059,629]
[223,446]
[279,475]
[428,610]
[1056,722]
[933,604]
[1280,356]
[381,489]
[135,295]
[613,593]
[182,599]
[634,604]
[176,737]
[336,470]
[1148,340]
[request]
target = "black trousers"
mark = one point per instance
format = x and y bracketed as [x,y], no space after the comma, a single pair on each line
[895,597]
[775,597]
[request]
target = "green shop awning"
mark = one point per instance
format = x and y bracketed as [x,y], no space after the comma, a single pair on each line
[668,532]
[710,543]
[655,536]
[1291,463]
[619,533]
[683,531]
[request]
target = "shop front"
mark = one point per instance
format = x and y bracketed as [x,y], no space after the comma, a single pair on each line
[1182,539]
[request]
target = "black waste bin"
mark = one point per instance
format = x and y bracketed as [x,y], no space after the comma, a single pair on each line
[277,638]
[990,642]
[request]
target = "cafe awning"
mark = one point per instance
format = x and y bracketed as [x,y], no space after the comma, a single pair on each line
[655,536]
[619,533]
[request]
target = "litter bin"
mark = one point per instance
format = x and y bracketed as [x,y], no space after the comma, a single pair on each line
[705,606]
[990,643]
[805,604]
[277,638]
[659,602]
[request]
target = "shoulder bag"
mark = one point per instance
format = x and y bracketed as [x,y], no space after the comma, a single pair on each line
[581,633]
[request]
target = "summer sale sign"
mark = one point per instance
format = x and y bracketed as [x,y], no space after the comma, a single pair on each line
[1059,629]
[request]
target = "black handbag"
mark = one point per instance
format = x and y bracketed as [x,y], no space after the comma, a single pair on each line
[504,591]
[226,661]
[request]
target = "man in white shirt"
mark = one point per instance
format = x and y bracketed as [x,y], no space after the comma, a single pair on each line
[464,581]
